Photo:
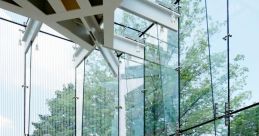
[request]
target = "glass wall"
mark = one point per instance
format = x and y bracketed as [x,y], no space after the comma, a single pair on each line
[243,52]
[100,103]
[52,103]
[132,95]
[11,79]
[230,63]
[200,83]
[161,81]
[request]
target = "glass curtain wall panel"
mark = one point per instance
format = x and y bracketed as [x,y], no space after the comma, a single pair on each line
[129,25]
[245,123]
[52,103]
[11,80]
[132,89]
[79,96]
[100,104]
[243,53]
[154,106]
[218,46]
[196,93]
[161,81]
[168,54]
[154,116]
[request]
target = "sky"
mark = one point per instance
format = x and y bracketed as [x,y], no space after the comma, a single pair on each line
[57,61]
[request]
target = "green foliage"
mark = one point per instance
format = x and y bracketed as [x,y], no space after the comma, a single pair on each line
[61,120]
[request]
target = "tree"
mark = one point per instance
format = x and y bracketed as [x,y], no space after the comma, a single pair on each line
[61,120]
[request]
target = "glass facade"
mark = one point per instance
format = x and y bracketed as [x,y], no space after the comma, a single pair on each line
[100,104]
[199,80]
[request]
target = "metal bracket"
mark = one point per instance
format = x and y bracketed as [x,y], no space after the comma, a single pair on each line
[177,131]
[118,54]
[143,90]
[23,86]
[215,109]
[178,68]
[227,36]
[76,97]
[227,114]
[118,107]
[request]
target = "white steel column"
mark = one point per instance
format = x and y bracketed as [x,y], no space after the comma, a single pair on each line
[80,70]
[29,35]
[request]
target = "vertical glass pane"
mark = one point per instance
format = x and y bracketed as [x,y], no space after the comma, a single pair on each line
[100,109]
[217,29]
[196,95]
[244,52]
[154,104]
[79,97]
[11,80]
[161,81]
[131,87]
[168,54]
[52,104]
[246,123]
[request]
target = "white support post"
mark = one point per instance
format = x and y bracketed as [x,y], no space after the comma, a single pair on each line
[110,59]
[29,35]
[31,32]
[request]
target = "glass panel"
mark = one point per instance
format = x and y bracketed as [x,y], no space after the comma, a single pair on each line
[11,80]
[196,95]
[130,20]
[132,96]
[154,104]
[245,123]
[100,110]
[168,53]
[217,28]
[244,52]
[52,105]
[161,81]
[79,97]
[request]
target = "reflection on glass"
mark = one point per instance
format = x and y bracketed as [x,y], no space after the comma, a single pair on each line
[154,104]
[217,28]
[100,109]
[131,89]
[196,94]
[161,82]
[130,20]
[52,104]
